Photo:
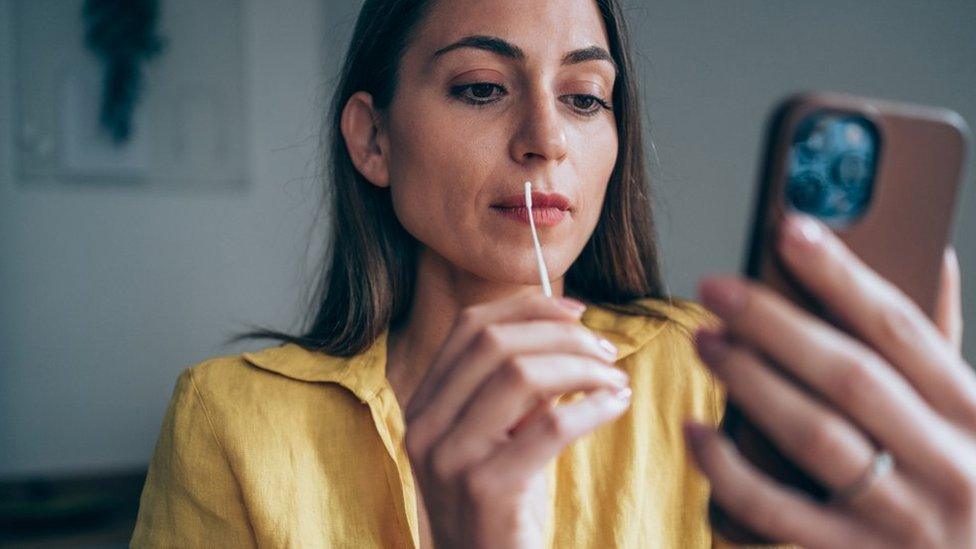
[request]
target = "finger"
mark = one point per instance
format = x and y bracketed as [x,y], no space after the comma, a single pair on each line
[543,408]
[881,315]
[514,463]
[771,510]
[846,373]
[522,306]
[489,351]
[820,441]
[948,308]
[517,388]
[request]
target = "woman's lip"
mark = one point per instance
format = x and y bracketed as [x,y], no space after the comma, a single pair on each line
[543,217]
[539,200]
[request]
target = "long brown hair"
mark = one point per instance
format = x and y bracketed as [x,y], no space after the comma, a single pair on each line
[368,279]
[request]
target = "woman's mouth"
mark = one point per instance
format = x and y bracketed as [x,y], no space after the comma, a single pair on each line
[548,209]
[543,217]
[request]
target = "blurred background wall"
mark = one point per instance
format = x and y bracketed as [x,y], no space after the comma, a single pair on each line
[108,291]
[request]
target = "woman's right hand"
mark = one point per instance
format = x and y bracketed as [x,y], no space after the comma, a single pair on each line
[482,425]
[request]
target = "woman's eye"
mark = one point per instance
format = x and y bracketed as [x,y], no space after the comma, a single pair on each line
[588,105]
[484,93]
[477,94]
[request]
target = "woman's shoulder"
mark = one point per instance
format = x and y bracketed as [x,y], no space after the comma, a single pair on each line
[245,435]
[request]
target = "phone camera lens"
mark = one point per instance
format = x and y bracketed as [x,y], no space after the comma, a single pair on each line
[831,166]
[850,170]
[807,191]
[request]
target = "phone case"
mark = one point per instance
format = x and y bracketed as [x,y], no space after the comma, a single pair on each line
[901,233]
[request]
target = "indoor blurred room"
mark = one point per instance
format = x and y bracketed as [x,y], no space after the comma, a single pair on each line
[160,183]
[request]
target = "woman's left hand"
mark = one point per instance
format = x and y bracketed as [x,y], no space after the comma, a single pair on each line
[898,384]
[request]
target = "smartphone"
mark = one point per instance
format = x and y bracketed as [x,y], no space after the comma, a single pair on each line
[884,177]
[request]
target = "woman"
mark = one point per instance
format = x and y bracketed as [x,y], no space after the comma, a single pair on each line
[438,398]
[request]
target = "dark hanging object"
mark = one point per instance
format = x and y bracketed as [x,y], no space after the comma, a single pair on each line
[123,34]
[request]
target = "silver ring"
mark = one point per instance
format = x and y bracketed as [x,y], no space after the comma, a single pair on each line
[881,465]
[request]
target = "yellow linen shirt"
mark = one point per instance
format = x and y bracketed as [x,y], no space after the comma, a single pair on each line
[290,448]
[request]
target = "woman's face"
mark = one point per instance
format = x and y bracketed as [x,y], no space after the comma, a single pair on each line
[469,124]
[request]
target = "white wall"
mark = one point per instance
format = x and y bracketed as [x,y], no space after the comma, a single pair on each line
[106,293]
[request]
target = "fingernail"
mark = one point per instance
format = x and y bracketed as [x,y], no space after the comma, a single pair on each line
[725,295]
[614,398]
[950,254]
[802,231]
[619,376]
[711,346]
[571,305]
[610,349]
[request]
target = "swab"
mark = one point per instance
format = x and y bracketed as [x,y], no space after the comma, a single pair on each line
[543,272]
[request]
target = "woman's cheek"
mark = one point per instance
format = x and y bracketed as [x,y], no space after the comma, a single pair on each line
[433,207]
[595,168]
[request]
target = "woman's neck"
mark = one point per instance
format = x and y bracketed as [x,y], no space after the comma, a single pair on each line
[441,292]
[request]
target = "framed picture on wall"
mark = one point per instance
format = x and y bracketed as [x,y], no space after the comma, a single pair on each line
[188,126]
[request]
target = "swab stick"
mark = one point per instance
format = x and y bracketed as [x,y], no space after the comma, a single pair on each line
[543,272]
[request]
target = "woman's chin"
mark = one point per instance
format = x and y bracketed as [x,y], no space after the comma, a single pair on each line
[515,265]
[515,270]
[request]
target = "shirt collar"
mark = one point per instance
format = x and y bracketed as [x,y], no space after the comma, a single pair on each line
[365,373]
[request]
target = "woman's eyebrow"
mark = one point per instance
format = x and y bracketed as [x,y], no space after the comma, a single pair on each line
[488,43]
[503,48]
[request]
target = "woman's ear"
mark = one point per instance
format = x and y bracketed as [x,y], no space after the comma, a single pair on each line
[363,133]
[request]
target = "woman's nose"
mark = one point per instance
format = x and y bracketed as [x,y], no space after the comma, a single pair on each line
[541,132]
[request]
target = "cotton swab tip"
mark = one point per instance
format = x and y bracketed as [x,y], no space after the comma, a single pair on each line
[528,194]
